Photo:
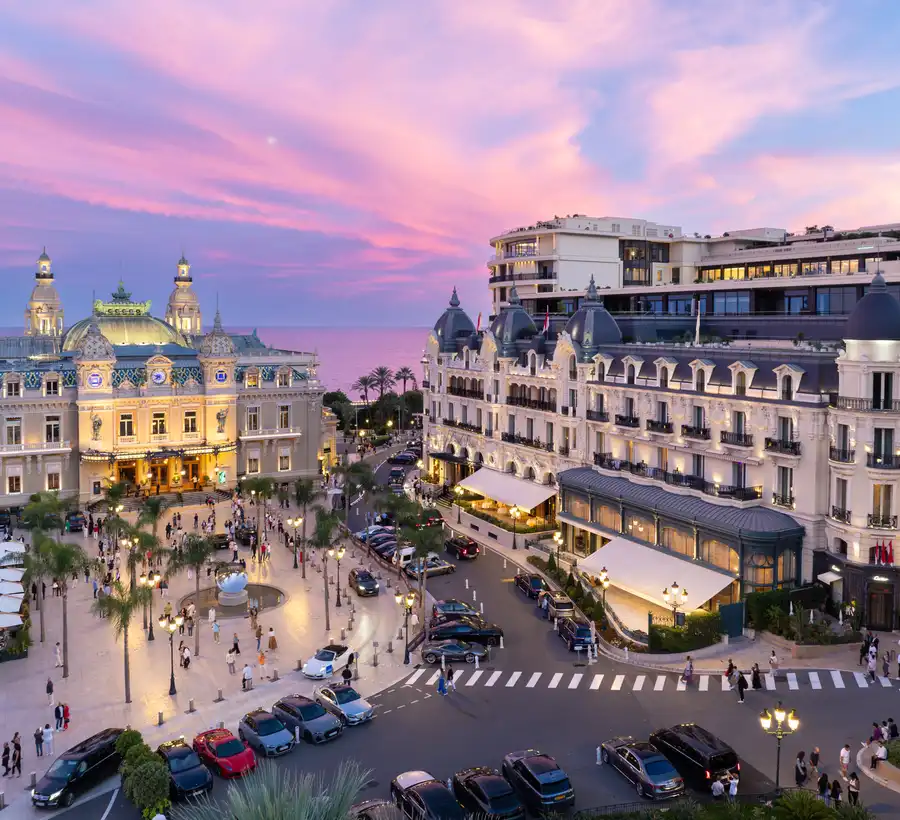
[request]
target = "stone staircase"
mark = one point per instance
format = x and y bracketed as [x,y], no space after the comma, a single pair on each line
[186,499]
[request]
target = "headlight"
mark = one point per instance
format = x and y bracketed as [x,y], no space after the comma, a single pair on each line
[377,586]
[56,795]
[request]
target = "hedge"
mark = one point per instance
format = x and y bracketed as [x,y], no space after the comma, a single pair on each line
[759,604]
[700,629]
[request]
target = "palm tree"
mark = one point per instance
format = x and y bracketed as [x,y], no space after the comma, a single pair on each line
[405,513]
[194,554]
[363,385]
[35,563]
[357,476]
[404,375]
[262,489]
[800,805]
[45,511]
[424,541]
[64,560]
[150,514]
[323,539]
[306,493]
[384,379]
[119,606]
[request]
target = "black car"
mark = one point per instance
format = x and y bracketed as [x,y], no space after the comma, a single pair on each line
[405,457]
[434,651]
[188,777]
[80,768]
[75,522]
[397,475]
[575,635]
[650,772]
[420,796]
[382,538]
[242,535]
[462,547]
[698,755]
[449,609]
[362,581]
[530,583]
[467,629]
[539,780]
[486,793]
[219,540]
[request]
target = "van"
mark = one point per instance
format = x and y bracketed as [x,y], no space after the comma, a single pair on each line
[699,756]
[77,770]
[559,605]
[403,557]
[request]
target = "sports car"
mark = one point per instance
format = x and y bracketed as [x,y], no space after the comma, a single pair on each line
[224,754]
[433,651]
[325,661]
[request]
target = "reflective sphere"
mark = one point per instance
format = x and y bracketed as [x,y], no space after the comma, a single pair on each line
[231,581]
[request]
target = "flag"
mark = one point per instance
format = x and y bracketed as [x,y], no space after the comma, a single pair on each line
[890,559]
[478,323]
[546,322]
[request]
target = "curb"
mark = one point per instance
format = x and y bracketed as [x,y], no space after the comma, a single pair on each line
[865,770]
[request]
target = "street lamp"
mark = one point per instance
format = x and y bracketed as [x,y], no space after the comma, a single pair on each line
[604,582]
[150,580]
[779,717]
[407,602]
[558,539]
[515,513]
[171,624]
[675,597]
[337,554]
[295,522]
[459,493]
[116,510]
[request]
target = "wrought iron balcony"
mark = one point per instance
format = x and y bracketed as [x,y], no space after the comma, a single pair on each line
[882,462]
[537,444]
[844,456]
[659,426]
[881,522]
[738,439]
[465,393]
[782,500]
[866,405]
[607,462]
[532,404]
[627,421]
[563,449]
[692,482]
[462,425]
[426,383]
[691,431]
[737,493]
[840,514]
[596,415]
[783,446]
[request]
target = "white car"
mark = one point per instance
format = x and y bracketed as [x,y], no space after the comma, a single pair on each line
[322,665]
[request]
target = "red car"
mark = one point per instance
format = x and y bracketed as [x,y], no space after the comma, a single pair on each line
[224,754]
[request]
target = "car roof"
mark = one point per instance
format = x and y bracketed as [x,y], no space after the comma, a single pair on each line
[259,713]
[296,700]
[88,745]
[335,647]
[407,780]
[176,748]
[213,735]
[699,737]
[539,763]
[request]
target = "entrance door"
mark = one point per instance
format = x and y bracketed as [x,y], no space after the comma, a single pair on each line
[880,612]
[128,473]
[159,474]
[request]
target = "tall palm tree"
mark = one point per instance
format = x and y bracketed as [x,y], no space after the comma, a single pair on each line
[405,513]
[306,493]
[36,571]
[262,489]
[152,509]
[120,606]
[323,539]
[384,379]
[64,560]
[45,511]
[356,476]
[424,541]
[194,554]
[404,375]
[363,385]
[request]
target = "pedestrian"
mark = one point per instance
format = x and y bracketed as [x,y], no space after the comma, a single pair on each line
[886,665]
[95,586]
[39,741]
[871,666]
[229,661]
[814,763]
[58,714]
[215,629]
[732,789]
[17,755]
[893,731]
[741,686]
[50,691]
[823,785]
[247,678]
[729,673]
[167,609]
[58,651]
[451,683]
[545,606]
[441,685]
[190,626]
[48,740]
[756,677]
[235,646]
[878,755]
[180,653]
[773,664]
[66,716]
[688,670]
[800,771]
[347,675]
[262,665]
[836,794]
[845,760]
[853,790]
[258,637]
[273,643]
[4,759]
[186,658]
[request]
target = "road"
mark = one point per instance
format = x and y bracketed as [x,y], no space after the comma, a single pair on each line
[533,693]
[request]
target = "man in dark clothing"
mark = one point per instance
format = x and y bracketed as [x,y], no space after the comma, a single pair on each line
[741,686]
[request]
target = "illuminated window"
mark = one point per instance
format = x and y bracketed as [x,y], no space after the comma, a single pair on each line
[252,379]
[14,431]
[13,484]
[252,465]
[252,419]
[52,429]
[284,463]
[284,379]
[53,482]
[158,424]
[284,417]
[190,421]
[126,424]
[51,387]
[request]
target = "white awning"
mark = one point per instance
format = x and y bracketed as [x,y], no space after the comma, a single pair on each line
[11,574]
[9,621]
[10,604]
[11,587]
[507,489]
[829,577]
[646,572]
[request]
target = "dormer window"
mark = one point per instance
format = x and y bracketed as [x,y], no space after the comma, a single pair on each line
[51,386]
[252,379]
[787,388]
[700,381]
[788,378]
[629,374]
[532,364]
[703,369]
[663,378]
[13,388]
[284,378]
[601,372]
[740,383]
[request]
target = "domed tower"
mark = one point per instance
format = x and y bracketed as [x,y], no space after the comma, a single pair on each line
[453,323]
[512,324]
[183,310]
[592,326]
[44,314]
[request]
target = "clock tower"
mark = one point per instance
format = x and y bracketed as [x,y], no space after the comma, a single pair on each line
[183,310]
[44,314]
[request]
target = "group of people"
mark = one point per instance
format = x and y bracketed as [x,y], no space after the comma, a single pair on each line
[234,652]
[809,773]
[725,786]
[735,677]
[868,656]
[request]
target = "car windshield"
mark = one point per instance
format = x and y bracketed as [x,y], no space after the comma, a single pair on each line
[229,748]
[311,712]
[658,768]
[62,769]
[346,695]
[583,631]
[363,577]
[182,763]
[325,655]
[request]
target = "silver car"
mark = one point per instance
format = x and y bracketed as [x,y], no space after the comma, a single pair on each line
[345,702]
[265,733]
[315,725]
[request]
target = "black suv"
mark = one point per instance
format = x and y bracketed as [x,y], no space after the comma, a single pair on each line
[461,547]
[77,770]
[541,783]
[362,581]
[699,756]
[188,777]
[575,634]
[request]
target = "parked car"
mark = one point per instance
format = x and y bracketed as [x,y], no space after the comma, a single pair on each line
[559,605]
[362,581]
[450,608]
[485,792]
[188,777]
[315,724]
[397,475]
[420,796]
[372,531]
[75,521]
[325,661]
[539,781]
[432,519]
[651,773]
[219,540]
[265,733]
[575,634]
[467,629]
[242,534]
[405,457]
[384,519]
[462,547]
[80,768]
[373,810]
[699,756]
[433,651]
[346,703]
[431,566]
[530,583]
[223,753]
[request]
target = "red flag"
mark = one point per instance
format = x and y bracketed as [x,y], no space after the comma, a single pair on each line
[546,322]
[478,323]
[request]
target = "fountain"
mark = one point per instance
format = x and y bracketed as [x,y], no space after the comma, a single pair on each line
[234,594]
[232,584]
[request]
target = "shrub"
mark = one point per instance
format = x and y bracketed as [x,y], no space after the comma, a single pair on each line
[538,562]
[893,749]
[135,757]
[127,739]
[148,788]
[700,629]
[570,580]
[551,563]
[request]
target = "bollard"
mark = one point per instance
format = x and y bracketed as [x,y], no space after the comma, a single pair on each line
[299,666]
[221,724]
[556,624]
[388,583]
[159,719]
[443,663]
[474,595]
[504,563]
[626,654]
[375,659]
[482,607]
[2,801]
[33,779]
[350,624]
[467,583]
[343,634]
[390,647]
[219,699]
[400,633]
[191,706]
[331,580]
[501,642]
[599,756]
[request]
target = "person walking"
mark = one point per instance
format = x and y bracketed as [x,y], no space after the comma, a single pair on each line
[39,741]
[229,660]
[729,673]
[215,630]
[186,658]
[824,788]
[259,635]
[814,763]
[48,740]
[442,684]
[4,759]
[66,715]
[688,671]
[235,645]
[741,686]
[189,622]
[871,666]
[347,675]
[17,755]
[845,760]
[273,643]
[893,731]
[58,651]
[247,678]
[50,691]
[756,677]
[836,794]
[262,665]
[853,790]
[58,714]
[451,682]
[886,665]
[773,664]
[800,771]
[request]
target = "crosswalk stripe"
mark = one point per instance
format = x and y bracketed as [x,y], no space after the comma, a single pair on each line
[617,683]
[554,681]
[703,686]
[681,685]
[457,676]
[660,683]
[726,686]
[595,683]
[770,681]
[514,679]
[576,679]
[792,680]
[493,678]
[886,682]
[838,680]
[861,681]
[473,678]
[639,683]
[533,680]
[814,680]
[433,679]
[415,676]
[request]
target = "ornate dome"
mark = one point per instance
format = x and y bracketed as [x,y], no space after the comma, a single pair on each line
[876,316]
[44,293]
[591,326]
[94,345]
[454,322]
[512,323]
[183,296]
[217,342]
[125,330]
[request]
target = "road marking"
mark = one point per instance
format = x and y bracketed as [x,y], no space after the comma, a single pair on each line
[576,679]
[415,677]
[814,681]
[726,686]
[861,681]
[885,682]
[704,683]
[401,706]
[792,680]
[433,679]
[639,683]
[457,676]
[110,805]
[533,680]
[595,683]
[413,701]
[838,680]
[681,685]
[660,683]
[493,678]
[427,696]
[554,681]
[617,683]
[474,677]
[770,681]
[514,678]
[386,711]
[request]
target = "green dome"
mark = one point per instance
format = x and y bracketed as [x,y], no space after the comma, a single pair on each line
[125,330]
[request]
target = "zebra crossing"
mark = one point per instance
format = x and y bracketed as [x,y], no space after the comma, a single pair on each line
[644,682]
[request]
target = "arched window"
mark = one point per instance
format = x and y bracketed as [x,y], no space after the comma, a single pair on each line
[787,388]
[479,459]
[451,449]
[467,360]
[529,473]
[663,376]
[532,364]
[511,467]
[740,383]
[464,453]
[629,375]
[573,368]
[701,381]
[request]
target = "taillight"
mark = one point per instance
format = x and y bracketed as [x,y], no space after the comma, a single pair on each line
[707,774]
[739,766]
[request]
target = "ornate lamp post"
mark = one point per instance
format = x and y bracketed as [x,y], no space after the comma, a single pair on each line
[558,539]
[515,513]
[675,597]
[171,624]
[773,723]
[294,523]
[407,602]
[604,582]
[337,554]
[150,580]
[116,510]
[459,492]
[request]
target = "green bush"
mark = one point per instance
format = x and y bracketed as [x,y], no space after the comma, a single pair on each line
[537,562]
[135,757]
[148,788]
[551,563]
[700,629]
[760,605]
[127,739]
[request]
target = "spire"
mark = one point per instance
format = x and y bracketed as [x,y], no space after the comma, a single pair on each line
[43,257]
[514,296]
[454,299]
[591,294]
[878,283]
[217,322]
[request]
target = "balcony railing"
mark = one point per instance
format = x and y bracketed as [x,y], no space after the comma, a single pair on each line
[738,439]
[271,432]
[532,404]
[462,425]
[426,383]
[35,447]
[537,444]
[607,461]
[691,431]
[867,405]
[659,426]
[563,449]
[627,421]
[783,446]
[843,456]
[882,462]
[596,415]
[464,393]
[881,522]
[840,514]
[782,500]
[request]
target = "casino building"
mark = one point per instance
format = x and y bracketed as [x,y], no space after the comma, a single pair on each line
[124,396]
